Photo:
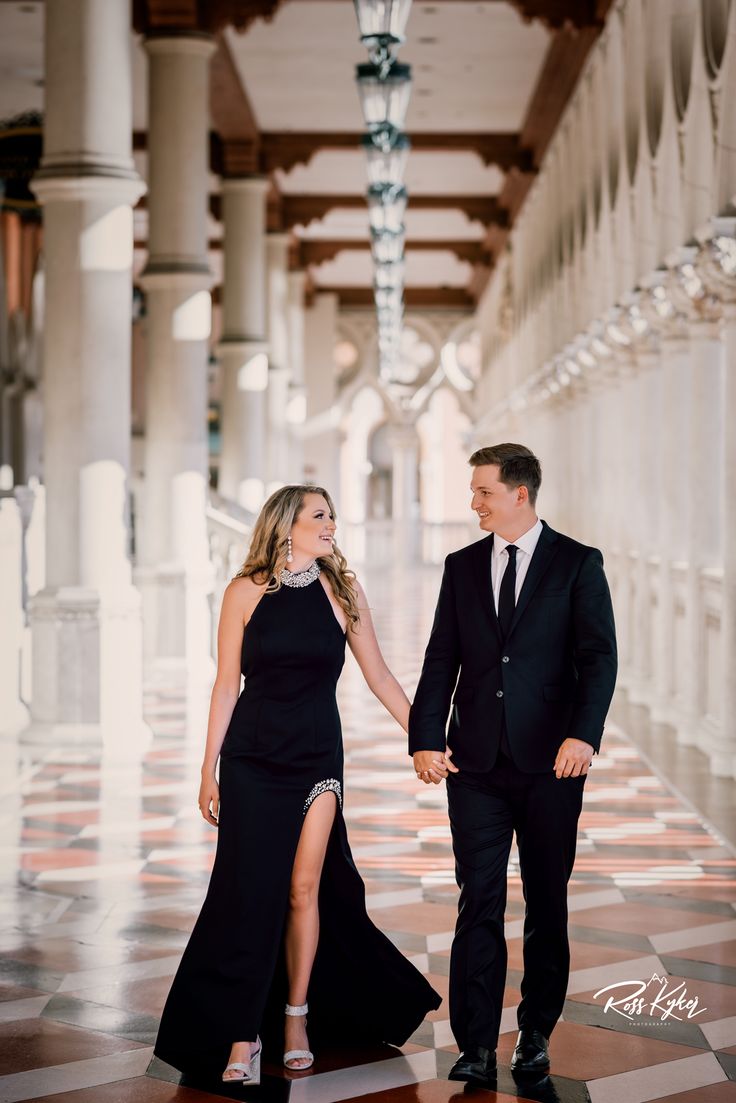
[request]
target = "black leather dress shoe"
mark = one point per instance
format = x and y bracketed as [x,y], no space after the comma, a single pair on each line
[531,1053]
[475,1065]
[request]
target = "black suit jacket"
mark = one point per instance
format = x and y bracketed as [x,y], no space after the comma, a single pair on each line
[553,677]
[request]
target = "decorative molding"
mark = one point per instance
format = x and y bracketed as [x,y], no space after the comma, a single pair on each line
[234,123]
[284,150]
[312,252]
[288,211]
[414,297]
[556,14]
[156,17]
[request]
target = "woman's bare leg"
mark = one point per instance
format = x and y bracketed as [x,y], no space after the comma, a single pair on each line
[302,925]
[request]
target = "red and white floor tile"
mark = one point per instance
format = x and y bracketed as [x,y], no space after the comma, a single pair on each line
[104,869]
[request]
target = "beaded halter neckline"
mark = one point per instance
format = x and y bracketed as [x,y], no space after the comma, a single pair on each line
[297,579]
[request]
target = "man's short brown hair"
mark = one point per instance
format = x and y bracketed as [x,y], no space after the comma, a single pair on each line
[518,466]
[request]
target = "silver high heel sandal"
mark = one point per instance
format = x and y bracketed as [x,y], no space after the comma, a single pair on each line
[298,1054]
[251,1070]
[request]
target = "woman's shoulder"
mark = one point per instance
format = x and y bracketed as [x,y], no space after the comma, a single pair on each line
[245,591]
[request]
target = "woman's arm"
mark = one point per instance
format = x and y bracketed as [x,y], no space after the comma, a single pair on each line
[239,600]
[364,645]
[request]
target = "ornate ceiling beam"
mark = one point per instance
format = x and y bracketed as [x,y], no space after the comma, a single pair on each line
[314,253]
[414,297]
[235,144]
[311,253]
[235,129]
[152,17]
[557,14]
[287,149]
[561,69]
[288,211]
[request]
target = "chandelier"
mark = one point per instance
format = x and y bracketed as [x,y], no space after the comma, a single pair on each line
[384,88]
[382,24]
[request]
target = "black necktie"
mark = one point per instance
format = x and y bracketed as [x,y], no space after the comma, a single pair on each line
[507,593]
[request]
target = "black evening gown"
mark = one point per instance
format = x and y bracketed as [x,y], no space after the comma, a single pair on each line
[283,748]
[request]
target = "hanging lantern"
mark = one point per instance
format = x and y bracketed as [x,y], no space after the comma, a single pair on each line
[384,99]
[386,206]
[389,275]
[387,297]
[387,247]
[382,25]
[386,153]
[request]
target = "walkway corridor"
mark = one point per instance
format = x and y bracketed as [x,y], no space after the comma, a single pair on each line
[104,869]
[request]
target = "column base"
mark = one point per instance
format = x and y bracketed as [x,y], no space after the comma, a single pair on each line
[722,754]
[15,719]
[177,623]
[87,670]
[38,733]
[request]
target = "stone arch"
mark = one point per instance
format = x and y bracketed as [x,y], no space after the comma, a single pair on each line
[444,429]
[726,141]
[633,77]
[714,21]
[365,408]
[656,67]
[698,147]
[683,34]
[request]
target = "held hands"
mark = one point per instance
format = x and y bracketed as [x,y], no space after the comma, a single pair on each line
[209,799]
[432,766]
[573,758]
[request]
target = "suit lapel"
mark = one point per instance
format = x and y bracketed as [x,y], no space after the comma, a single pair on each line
[482,574]
[544,553]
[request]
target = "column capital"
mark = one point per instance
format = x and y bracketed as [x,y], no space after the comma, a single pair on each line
[687,289]
[245,185]
[112,188]
[279,241]
[196,45]
[162,275]
[659,307]
[716,261]
[242,346]
[297,285]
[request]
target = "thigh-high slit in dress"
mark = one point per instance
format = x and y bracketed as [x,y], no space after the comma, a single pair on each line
[282,749]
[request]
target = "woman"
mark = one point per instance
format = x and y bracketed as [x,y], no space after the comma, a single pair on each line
[285,909]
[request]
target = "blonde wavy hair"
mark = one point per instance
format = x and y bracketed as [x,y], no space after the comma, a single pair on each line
[267,553]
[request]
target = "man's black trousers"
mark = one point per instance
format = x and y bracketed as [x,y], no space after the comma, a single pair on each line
[485,811]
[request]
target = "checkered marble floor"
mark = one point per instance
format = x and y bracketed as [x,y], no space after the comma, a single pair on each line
[104,867]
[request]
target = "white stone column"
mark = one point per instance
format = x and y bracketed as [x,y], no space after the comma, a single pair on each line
[643,472]
[664,482]
[277,259]
[716,266]
[704,528]
[243,347]
[175,573]
[14,716]
[699,514]
[405,491]
[297,407]
[674,519]
[86,622]
[723,752]
[321,432]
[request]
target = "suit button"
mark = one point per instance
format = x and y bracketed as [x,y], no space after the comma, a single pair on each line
[505,659]
[499,693]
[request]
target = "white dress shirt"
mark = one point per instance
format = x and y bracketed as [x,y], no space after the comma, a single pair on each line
[499,560]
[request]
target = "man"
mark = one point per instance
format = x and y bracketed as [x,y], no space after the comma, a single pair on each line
[524,617]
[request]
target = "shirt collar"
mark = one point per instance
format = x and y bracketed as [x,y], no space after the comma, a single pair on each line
[526,543]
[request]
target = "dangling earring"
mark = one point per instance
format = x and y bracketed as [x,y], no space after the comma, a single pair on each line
[289,552]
